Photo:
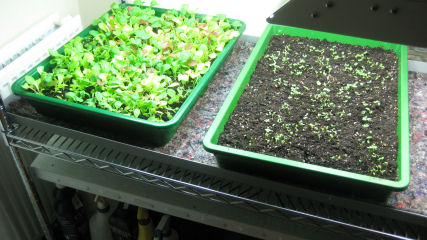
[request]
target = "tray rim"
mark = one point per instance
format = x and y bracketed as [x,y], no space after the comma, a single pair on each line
[211,137]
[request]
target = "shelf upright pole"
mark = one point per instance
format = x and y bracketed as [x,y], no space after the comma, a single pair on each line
[25,177]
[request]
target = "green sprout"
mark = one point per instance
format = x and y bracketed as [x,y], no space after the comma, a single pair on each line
[134,62]
[377,102]
[373,147]
[366,119]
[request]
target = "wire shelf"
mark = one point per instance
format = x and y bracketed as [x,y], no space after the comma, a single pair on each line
[354,219]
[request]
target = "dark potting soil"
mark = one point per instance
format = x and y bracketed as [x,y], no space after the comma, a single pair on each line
[322,103]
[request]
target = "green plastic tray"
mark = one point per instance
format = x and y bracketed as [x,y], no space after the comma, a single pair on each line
[147,132]
[255,163]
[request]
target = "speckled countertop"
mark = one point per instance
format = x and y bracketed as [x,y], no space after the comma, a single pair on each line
[414,198]
[187,141]
[417,54]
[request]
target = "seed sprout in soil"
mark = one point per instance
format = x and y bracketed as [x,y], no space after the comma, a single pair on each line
[320,102]
[134,62]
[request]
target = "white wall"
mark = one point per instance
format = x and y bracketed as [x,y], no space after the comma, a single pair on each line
[18,16]
[91,9]
[253,13]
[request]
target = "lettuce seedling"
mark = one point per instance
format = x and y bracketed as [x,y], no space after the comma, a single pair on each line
[136,62]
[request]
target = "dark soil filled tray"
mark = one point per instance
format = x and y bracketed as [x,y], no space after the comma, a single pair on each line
[323,103]
[329,104]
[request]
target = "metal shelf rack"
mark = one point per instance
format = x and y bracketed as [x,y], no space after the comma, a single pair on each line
[317,214]
[214,196]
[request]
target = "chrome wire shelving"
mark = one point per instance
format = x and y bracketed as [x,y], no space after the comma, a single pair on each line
[346,217]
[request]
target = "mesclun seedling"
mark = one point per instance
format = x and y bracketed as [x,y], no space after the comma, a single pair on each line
[319,103]
[135,62]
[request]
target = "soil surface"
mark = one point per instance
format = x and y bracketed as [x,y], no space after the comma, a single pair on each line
[322,103]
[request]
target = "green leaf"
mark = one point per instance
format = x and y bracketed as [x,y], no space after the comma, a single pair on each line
[142,34]
[117,104]
[135,41]
[171,93]
[26,86]
[156,25]
[114,6]
[73,96]
[53,53]
[153,19]
[221,17]
[29,79]
[48,80]
[191,22]
[99,97]
[136,112]
[93,32]
[103,18]
[90,102]
[40,70]
[184,9]
[184,56]
[169,115]
[165,67]
[138,2]
[236,24]
[115,50]
[153,3]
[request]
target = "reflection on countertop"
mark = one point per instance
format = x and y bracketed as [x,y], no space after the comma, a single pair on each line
[187,142]
[417,54]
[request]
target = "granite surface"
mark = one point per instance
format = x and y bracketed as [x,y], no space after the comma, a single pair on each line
[187,141]
[417,54]
[414,198]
